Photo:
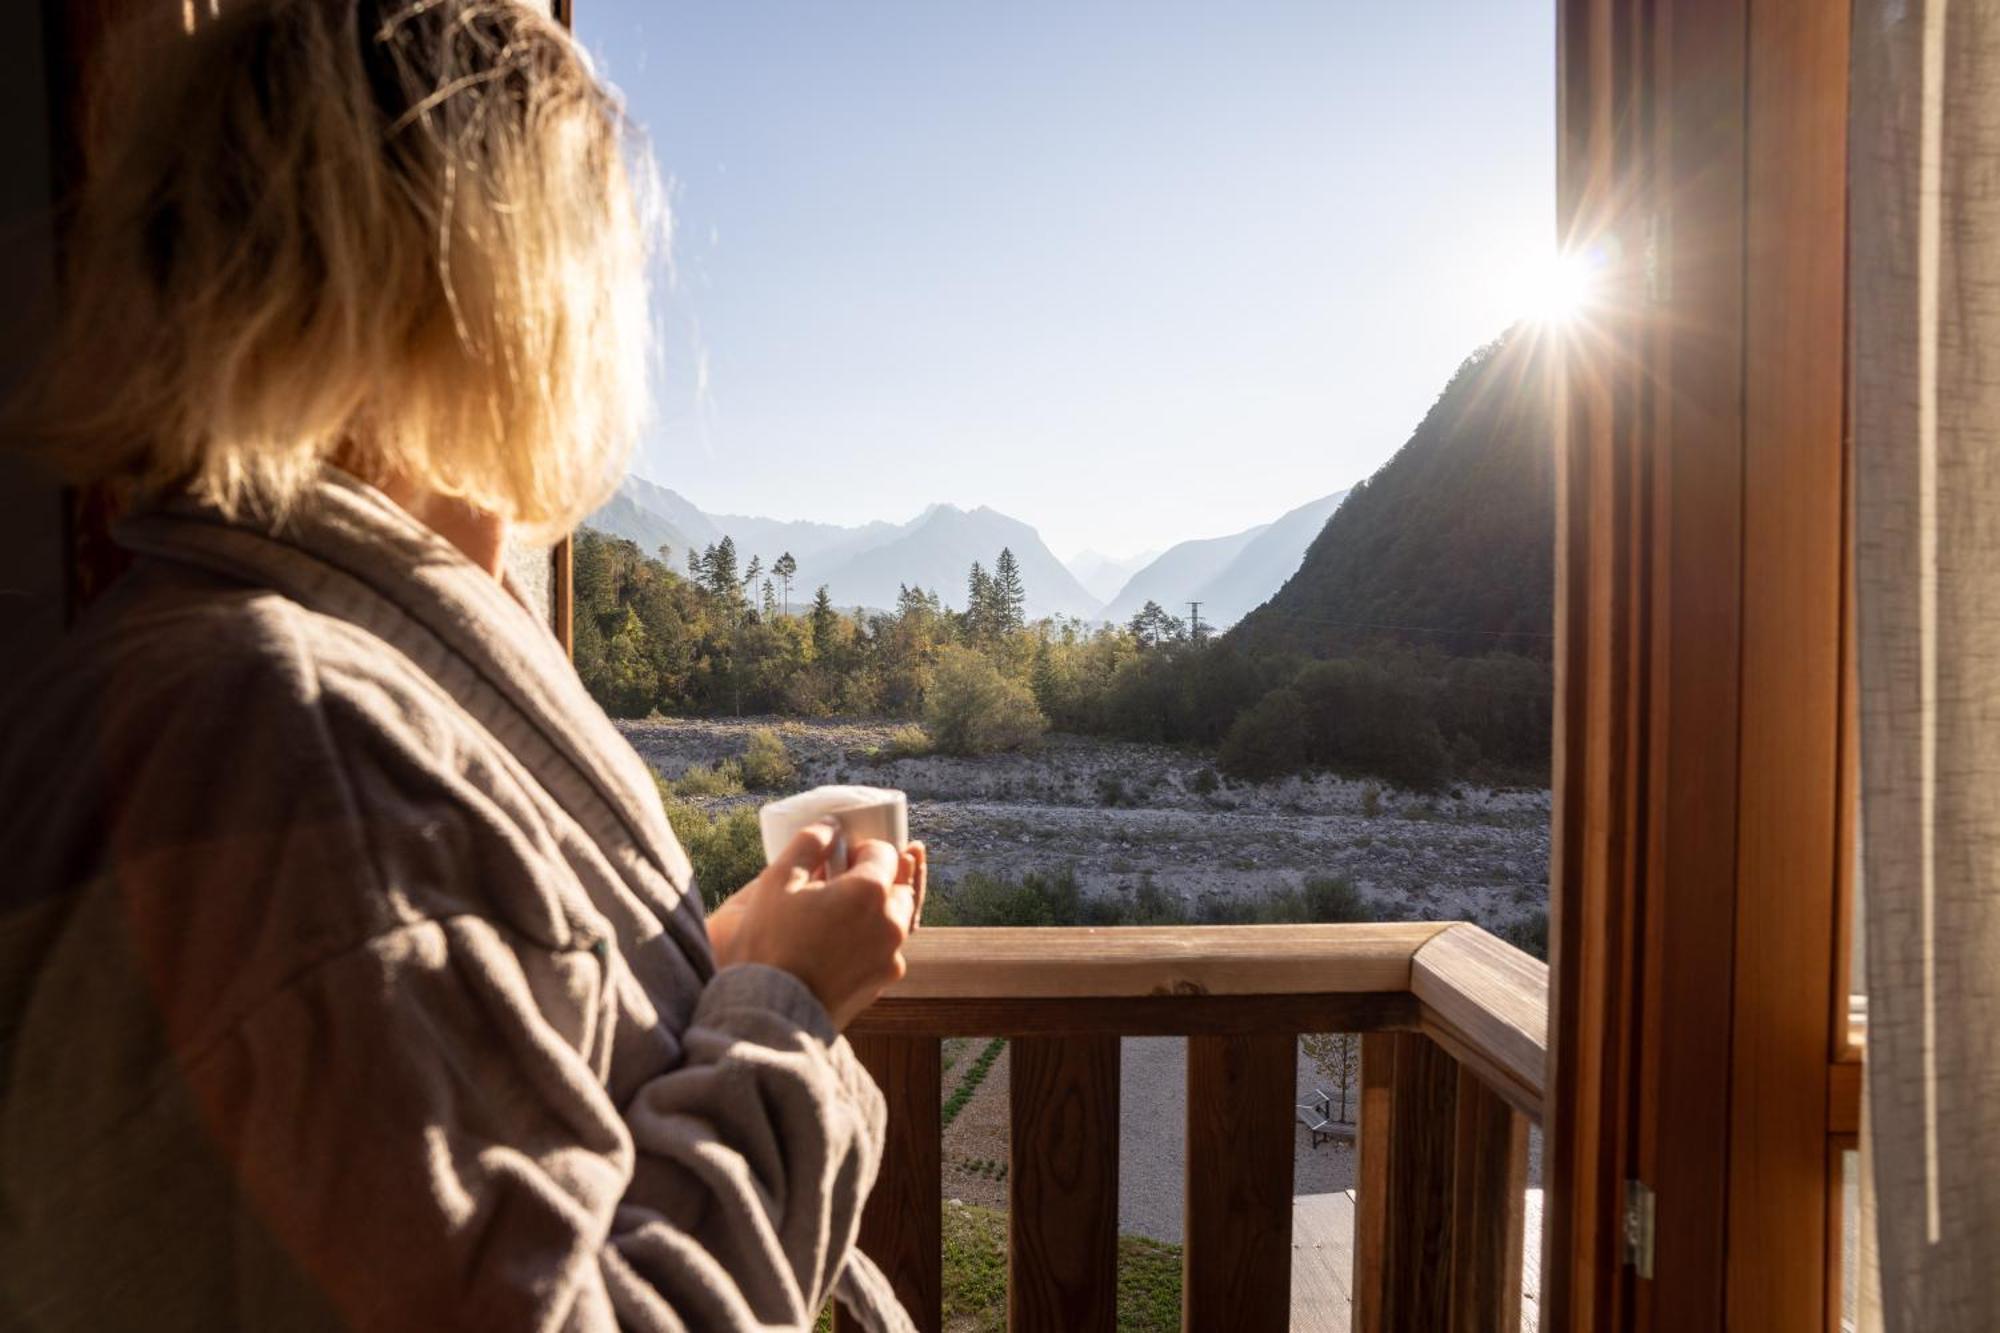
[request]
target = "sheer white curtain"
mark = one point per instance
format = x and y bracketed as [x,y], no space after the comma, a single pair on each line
[1925,209]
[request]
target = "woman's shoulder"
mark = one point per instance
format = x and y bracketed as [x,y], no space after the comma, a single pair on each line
[191,712]
[172,656]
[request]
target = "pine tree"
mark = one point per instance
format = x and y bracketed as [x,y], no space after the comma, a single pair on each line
[978,602]
[754,573]
[786,569]
[1009,598]
[1152,626]
[770,599]
[825,621]
[720,563]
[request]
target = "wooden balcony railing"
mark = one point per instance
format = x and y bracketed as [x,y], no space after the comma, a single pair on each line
[1454,1045]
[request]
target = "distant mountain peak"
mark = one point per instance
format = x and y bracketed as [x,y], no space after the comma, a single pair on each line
[865,565]
[1228,575]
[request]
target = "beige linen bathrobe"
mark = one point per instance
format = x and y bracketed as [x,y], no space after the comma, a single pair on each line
[350,975]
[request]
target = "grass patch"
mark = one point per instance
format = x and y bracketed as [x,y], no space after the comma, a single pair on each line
[974,1076]
[725,779]
[975,1276]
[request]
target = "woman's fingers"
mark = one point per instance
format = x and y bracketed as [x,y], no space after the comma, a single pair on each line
[803,855]
[871,869]
[878,880]
[914,871]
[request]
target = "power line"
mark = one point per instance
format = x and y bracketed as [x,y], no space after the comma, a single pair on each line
[1415,629]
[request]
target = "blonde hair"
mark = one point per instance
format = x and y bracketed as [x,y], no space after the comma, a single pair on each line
[409,235]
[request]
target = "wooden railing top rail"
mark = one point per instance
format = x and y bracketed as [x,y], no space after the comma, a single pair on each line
[1002,962]
[1483,1000]
[1487,1003]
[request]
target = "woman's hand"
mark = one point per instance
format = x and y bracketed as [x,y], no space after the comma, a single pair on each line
[842,937]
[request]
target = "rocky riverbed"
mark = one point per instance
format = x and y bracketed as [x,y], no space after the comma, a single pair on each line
[1120,815]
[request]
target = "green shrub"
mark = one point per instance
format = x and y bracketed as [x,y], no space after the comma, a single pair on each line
[1371,800]
[1268,740]
[1205,783]
[1154,906]
[726,848]
[972,709]
[907,742]
[1330,900]
[1110,789]
[980,899]
[1363,716]
[725,779]
[767,765]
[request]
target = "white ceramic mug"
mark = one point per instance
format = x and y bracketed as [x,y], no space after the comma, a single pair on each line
[861,812]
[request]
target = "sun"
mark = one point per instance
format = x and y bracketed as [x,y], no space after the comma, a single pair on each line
[1560,289]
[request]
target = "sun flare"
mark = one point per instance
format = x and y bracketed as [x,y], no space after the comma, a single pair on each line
[1560,289]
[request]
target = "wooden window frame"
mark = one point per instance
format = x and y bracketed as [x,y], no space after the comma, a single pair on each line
[1704,789]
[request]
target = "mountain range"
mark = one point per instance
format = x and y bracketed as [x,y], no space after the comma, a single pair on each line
[868,565]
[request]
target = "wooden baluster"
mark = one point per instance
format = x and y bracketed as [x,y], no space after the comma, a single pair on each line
[1062,1184]
[1489,1202]
[900,1227]
[1373,1148]
[1440,1195]
[1404,1204]
[1237,1259]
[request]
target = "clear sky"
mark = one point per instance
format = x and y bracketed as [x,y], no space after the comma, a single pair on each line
[1132,272]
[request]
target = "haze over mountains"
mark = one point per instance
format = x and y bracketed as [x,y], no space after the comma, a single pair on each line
[1230,576]
[869,565]
[1104,575]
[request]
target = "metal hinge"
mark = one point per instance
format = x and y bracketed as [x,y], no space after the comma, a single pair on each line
[1639,1228]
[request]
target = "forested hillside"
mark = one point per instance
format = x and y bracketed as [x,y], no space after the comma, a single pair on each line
[1451,545]
[1413,644]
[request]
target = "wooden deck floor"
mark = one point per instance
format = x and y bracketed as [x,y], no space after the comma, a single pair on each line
[1323,1262]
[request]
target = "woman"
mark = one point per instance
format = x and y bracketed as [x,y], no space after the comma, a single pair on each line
[350,973]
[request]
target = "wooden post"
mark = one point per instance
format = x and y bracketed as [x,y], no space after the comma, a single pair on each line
[1237,1259]
[1416,1280]
[1062,1184]
[901,1226]
[1439,1198]
[1488,1214]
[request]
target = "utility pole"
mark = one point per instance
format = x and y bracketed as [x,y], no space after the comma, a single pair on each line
[1194,621]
